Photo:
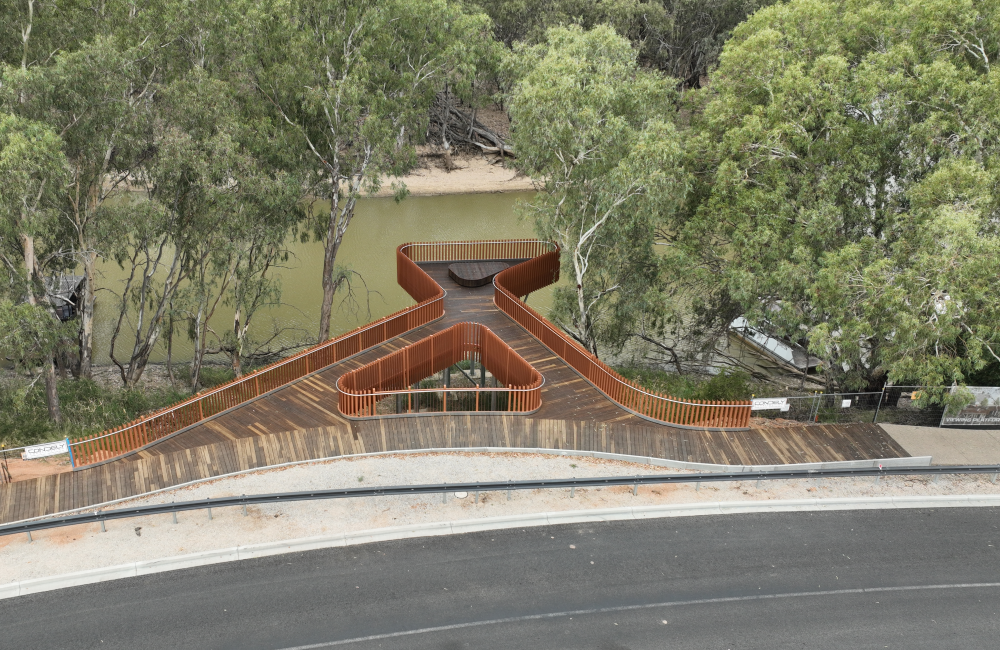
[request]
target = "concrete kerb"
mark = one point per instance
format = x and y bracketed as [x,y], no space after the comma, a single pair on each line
[913,461]
[145,567]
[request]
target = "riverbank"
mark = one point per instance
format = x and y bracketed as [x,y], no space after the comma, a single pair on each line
[470,174]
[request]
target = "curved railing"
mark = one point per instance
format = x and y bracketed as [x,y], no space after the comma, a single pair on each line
[389,385]
[156,426]
[541,271]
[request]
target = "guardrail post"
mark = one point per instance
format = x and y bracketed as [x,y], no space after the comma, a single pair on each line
[210,514]
[103,529]
[994,478]
[477,497]
[508,492]
[29,537]
[243,496]
[444,496]
[878,406]
[572,491]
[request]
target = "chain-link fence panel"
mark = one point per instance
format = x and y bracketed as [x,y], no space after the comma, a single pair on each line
[820,408]
[903,405]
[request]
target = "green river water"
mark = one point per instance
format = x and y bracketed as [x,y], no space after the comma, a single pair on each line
[379,226]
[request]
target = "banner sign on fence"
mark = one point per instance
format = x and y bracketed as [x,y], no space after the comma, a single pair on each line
[984,411]
[845,403]
[48,449]
[769,404]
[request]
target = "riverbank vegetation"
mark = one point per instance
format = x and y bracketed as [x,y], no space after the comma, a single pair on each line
[826,169]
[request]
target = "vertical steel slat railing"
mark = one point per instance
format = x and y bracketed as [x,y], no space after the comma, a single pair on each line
[395,374]
[420,286]
[543,270]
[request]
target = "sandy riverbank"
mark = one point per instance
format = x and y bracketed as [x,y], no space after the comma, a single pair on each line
[473,174]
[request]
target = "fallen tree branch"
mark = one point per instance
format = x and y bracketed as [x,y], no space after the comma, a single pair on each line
[458,126]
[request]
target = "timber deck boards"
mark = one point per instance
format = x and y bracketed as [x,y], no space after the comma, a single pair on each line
[301,421]
[136,475]
[312,401]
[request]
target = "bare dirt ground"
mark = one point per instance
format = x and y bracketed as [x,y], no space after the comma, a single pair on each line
[775,423]
[464,169]
[23,470]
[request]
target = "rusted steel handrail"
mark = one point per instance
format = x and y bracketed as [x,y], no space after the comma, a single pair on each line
[395,374]
[150,428]
[428,295]
[510,284]
[540,269]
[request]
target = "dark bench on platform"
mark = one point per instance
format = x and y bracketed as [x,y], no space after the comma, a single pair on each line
[475,274]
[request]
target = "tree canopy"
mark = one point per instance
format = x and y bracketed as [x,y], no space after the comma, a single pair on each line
[846,157]
[592,126]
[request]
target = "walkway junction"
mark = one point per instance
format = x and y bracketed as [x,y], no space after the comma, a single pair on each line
[466,366]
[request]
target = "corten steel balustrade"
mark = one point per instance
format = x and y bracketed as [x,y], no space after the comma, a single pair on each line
[529,276]
[420,286]
[392,381]
[541,269]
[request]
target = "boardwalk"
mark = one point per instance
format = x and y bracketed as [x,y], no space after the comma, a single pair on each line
[301,421]
[312,402]
[137,475]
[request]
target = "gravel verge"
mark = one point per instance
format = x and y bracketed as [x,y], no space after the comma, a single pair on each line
[82,547]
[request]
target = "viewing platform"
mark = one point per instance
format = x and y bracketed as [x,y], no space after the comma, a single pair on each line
[545,396]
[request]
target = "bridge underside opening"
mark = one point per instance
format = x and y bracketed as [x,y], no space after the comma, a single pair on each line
[465,367]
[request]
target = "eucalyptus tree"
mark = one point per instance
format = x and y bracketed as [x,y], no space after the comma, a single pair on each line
[353,81]
[682,38]
[96,98]
[29,339]
[594,129]
[207,202]
[33,170]
[33,31]
[846,157]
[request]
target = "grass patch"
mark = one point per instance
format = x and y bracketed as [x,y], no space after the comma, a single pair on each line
[209,377]
[87,408]
[725,386]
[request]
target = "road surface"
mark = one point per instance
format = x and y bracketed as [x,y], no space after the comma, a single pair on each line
[854,579]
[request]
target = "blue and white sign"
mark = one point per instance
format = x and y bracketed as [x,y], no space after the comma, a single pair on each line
[47,449]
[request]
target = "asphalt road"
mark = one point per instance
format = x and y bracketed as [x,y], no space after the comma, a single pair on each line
[861,579]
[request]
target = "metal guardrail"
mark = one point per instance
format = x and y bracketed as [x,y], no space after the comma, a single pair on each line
[489,486]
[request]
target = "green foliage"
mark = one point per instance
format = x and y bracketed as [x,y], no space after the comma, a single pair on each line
[28,334]
[846,157]
[725,386]
[87,408]
[682,38]
[595,127]
[33,168]
[353,83]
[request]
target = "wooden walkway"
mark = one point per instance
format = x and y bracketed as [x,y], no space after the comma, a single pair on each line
[137,475]
[301,421]
[312,401]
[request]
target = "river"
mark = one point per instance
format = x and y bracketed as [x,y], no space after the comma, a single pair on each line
[379,226]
